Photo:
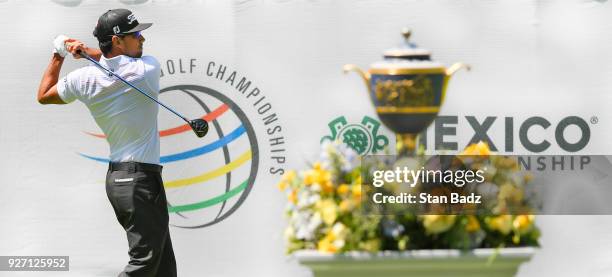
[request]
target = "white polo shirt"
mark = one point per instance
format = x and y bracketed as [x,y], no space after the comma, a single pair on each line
[127,118]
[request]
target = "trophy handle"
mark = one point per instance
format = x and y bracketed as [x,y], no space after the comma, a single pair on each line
[451,70]
[364,75]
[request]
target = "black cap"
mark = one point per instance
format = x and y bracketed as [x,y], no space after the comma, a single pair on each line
[117,22]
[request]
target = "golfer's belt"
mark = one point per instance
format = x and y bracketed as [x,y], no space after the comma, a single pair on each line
[133,167]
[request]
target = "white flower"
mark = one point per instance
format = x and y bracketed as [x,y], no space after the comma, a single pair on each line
[336,151]
[289,233]
[326,154]
[305,224]
[302,200]
[339,243]
[307,199]
[315,222]
[339,229]
[316,188]
[517,179]
[314,199]
[350,157]
[302,233]
[339,233]
[488,190]
[290,208]
[300,218]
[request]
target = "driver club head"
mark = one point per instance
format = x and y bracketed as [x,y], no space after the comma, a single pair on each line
[199,126]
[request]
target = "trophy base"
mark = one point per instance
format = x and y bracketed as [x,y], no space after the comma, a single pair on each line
[407,123]
[406,145]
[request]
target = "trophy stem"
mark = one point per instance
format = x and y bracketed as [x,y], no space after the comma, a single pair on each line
[406,145]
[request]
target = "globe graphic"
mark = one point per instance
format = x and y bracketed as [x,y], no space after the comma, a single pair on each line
[206,179]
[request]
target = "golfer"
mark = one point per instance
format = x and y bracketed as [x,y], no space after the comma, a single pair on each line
[129,120]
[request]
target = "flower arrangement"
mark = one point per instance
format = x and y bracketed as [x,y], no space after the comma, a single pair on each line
[324,201]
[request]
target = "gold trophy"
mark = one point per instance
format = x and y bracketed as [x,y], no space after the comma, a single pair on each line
[407,90]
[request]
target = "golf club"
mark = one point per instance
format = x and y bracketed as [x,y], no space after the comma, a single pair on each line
[199,126]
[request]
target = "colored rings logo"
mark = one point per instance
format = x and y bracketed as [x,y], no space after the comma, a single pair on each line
[207,179]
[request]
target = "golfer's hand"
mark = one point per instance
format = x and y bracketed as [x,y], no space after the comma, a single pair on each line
[74,46]
[59,46]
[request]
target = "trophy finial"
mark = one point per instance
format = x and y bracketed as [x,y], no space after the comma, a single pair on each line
[406,33]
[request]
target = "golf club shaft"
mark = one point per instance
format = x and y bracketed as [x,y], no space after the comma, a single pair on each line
[84,55]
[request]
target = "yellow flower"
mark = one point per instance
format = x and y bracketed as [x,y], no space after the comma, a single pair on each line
[501,223]
[510,192]
[289,176]
[292,197]
[328,210]
[472,225]
[286,179]
[309,177]
[346,205]
[317,175]
[523,223]
[356,190]
[435,224]
[323,176]
[477,149]
[339,232]
[327,187]
[326,245]
[527,178]
[509,163]
[343,189]
[334,239]
[370,245]
[516,238]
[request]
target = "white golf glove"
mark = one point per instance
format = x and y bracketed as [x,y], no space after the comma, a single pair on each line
[59,44]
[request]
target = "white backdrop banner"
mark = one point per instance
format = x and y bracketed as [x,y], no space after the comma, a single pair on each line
[268,74]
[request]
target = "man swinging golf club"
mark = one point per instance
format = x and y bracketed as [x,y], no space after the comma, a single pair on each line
[121,94]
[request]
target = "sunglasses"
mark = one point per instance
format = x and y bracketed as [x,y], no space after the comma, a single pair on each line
[134,34]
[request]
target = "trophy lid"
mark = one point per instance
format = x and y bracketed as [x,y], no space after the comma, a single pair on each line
[407,50]
[407,55]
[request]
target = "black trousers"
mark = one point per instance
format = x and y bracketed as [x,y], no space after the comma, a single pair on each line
[136,192]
